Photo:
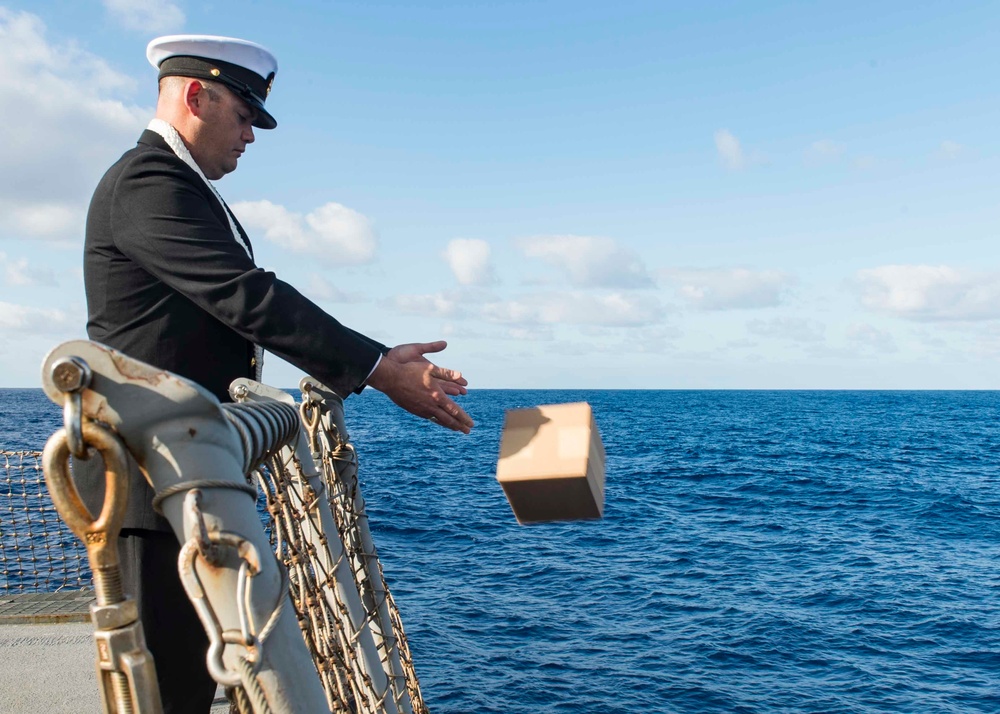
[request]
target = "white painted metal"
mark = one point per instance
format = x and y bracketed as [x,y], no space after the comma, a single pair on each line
[371,584]
[298,461]
[176,432]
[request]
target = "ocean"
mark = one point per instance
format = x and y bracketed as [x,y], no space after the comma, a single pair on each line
[761,551]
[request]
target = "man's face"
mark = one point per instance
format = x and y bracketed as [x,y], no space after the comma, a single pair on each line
[226,129]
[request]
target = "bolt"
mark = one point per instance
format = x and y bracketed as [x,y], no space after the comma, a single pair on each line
[241,392]
[71,374]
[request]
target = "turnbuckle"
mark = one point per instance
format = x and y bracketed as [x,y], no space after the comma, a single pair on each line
[125,669]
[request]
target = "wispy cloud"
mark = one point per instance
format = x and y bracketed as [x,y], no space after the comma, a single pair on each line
[321,289]
[729,150]
[576,308]
[730,288]
[70,124]
[865,162]
[535,309]
[589,261]
[429,305]
[824,151]
[794,329]
[469,259]
[950,149]
[333,234]
[930,293]
[151,16]
[34,320]
[866,335]
[17,272]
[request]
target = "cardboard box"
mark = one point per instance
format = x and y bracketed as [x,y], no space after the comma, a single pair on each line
[551,464]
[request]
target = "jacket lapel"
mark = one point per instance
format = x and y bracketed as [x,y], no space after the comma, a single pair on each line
[151,138]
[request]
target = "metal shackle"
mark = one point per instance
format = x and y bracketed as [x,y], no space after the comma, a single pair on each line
[98,534]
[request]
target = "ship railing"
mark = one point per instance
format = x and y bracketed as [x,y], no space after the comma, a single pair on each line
[38,552]
[340,645]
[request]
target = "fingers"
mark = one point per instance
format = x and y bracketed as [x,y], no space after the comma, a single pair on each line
[449,375]
[453,390]
[423,388]
[415,351]
[451,416]
[436,346]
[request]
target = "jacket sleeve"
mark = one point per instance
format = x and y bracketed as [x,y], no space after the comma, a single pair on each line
[164,219]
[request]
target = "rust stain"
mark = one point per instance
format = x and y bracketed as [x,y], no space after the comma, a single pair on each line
[192,431]
[210,570]
[102,412]
[131,369]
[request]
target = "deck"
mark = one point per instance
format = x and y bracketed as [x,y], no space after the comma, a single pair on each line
[47,655]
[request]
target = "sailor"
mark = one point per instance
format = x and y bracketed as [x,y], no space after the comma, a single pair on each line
[170,280]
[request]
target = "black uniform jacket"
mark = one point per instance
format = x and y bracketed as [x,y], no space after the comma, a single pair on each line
[168,284]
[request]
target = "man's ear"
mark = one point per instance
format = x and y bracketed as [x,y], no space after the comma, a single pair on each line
[195,97]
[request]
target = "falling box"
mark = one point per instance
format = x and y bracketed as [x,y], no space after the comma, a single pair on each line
[551,464]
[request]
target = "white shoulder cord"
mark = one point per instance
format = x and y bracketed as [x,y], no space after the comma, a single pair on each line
[176,144]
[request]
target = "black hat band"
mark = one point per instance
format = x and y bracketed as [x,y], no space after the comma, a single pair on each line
[246,84]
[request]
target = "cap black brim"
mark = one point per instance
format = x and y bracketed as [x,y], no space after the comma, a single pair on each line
[264,119]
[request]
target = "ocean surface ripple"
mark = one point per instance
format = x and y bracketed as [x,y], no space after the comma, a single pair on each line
[761,551]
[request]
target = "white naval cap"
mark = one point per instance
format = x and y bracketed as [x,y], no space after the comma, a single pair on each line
[244,67]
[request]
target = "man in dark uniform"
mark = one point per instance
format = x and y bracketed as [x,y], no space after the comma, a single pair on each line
[170,280]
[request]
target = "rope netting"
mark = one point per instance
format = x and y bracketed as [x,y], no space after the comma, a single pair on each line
[318,527]
[38,552]
[339,462]
[314,558]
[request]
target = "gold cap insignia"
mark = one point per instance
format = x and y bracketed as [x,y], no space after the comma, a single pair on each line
[216,72]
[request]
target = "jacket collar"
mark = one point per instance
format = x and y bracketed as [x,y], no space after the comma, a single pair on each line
[151,138]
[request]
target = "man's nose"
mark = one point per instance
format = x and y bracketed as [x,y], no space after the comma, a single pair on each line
[248,136]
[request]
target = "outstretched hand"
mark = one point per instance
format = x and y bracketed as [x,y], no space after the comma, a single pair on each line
[420,387]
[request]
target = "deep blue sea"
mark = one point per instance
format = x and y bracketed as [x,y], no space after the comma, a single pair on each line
[761,551]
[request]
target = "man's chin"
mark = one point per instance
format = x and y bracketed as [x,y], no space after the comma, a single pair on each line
[226,169]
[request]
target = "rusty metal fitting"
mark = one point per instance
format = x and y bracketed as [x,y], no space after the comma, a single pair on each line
[111,617]
[71,374]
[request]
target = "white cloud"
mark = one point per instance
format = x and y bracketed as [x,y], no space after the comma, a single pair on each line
[866,335]
[48,219]
[930,293]
[435,305]
[333,234]
[865,162]
[322,289]
[589,261]
[469,260]
[18,273]
[34,320]
[729,149]
[64,126]
[824,151]
[152,16]
[535,333]
[731,288]
[794,329]
[576,308]
[534,310]
[950,149]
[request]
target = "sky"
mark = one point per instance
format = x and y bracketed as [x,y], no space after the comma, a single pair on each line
[655,195]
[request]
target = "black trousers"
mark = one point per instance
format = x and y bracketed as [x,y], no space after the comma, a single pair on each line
[174,634]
